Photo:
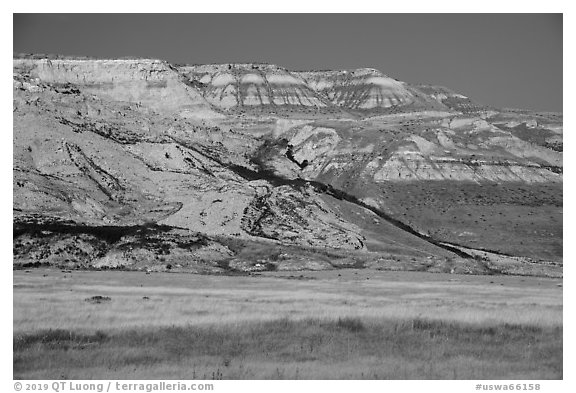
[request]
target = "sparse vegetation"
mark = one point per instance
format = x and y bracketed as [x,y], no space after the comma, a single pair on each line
[310,348]
[98,299]
[516,219]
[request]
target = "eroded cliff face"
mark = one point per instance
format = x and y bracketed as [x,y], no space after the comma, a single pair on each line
[126,143]
[230,86]
[363,88]
[152,83]
[464,149]
[253,152]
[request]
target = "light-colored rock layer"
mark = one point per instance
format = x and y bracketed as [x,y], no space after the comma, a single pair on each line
[151,83]
[363,88]
[415,166]
[249,85]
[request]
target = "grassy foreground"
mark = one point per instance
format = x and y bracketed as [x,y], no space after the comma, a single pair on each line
[348,348]
[349,324]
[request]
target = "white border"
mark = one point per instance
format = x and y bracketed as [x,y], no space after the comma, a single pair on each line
[300,6]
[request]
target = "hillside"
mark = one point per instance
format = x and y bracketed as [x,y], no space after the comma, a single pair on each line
[140,164]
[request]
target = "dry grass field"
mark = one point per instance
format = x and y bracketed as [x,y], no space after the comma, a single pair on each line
[321,325]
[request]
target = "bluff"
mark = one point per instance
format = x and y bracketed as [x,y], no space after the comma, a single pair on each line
[255,154]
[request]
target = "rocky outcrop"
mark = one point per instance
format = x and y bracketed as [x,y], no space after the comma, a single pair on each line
[451,99]
[460,147]
[283,214]
[363,88]
[152,83]
[415,166]
[252,85]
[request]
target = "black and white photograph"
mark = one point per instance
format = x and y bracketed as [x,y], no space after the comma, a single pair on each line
[287,196]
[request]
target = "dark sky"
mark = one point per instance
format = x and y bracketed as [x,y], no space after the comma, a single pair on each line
[506,60]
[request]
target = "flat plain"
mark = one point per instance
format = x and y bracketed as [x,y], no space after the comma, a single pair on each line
[347,323]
